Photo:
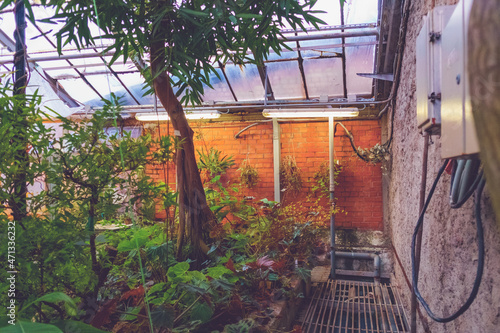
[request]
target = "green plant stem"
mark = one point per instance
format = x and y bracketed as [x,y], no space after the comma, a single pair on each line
[187,309]
[131,314]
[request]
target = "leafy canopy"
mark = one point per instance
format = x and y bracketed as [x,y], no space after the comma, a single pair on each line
[18,130]
[197,34]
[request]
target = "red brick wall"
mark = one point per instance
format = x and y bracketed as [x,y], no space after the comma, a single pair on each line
[359,191]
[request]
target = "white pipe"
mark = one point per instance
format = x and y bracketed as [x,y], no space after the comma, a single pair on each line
[332,195]
[346,34]
[276,159]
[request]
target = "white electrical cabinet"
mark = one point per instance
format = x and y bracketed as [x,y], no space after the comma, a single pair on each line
[428,54]
[458,135]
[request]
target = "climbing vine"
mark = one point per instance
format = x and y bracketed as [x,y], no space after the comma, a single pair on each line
[376,154]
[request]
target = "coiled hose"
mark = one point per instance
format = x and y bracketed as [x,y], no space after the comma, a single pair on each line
[478,184]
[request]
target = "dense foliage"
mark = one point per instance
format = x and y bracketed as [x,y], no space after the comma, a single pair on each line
[128,280]
[176,46]
[76,274]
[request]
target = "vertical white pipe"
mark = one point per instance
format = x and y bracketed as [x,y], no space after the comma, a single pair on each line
[265,86]
[332,195]
[276,159]
[331,153]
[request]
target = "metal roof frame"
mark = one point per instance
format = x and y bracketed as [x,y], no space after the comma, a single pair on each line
[334,33]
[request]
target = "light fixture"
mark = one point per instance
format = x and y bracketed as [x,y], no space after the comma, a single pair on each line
[310,113]
[152,116]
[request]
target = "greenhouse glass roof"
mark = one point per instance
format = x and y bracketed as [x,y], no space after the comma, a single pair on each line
[312,71]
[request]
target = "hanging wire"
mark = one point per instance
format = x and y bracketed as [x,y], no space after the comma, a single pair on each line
[477,187]
[132,217]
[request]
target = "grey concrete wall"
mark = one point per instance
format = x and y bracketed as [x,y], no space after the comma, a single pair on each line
[449,247]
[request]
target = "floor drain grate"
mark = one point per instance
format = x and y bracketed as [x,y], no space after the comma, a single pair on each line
[352,306]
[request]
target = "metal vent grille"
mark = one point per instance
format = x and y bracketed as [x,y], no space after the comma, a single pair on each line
[352,306]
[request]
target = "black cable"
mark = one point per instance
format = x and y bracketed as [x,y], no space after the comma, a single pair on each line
[480,241]
[453,174]
[471,190]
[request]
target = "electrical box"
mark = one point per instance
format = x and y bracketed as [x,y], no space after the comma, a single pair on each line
[458,135]
[428,54]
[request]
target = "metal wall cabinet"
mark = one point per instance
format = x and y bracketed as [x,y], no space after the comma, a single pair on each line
[457,130]
[428,53]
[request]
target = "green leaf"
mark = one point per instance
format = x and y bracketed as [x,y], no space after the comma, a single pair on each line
[157,287]
[193,12]
[246,15]
[28,327]
[201,312]
[73,326]
[163,317]
[131,313]
[56,297]
[138,240]
[178,269]
[215,179]
[243,326]
[268,202]
[303,273]
[273,277]
[28,8]
[101,238]
[218,271]
[216,209]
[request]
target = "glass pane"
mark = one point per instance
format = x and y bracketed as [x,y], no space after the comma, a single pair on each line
[221,91]
[105,83]
[361,11]
[246,82]
[314,48]
[129,66]
[80,91]
[51,102]
[286,80]
[324,77]
[135,131]
[135,83]
[285,54]
[360,59]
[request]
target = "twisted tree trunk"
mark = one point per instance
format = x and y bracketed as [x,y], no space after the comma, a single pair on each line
[194,213]
[484,79]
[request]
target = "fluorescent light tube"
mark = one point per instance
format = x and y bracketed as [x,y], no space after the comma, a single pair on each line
[151,116]
[310,113]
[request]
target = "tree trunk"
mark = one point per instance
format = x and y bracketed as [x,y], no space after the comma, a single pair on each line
[18,200]
[484,80]
[196,212]
[182,214]
[94,198]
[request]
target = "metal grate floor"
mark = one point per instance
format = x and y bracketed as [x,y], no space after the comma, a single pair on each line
[339,306]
